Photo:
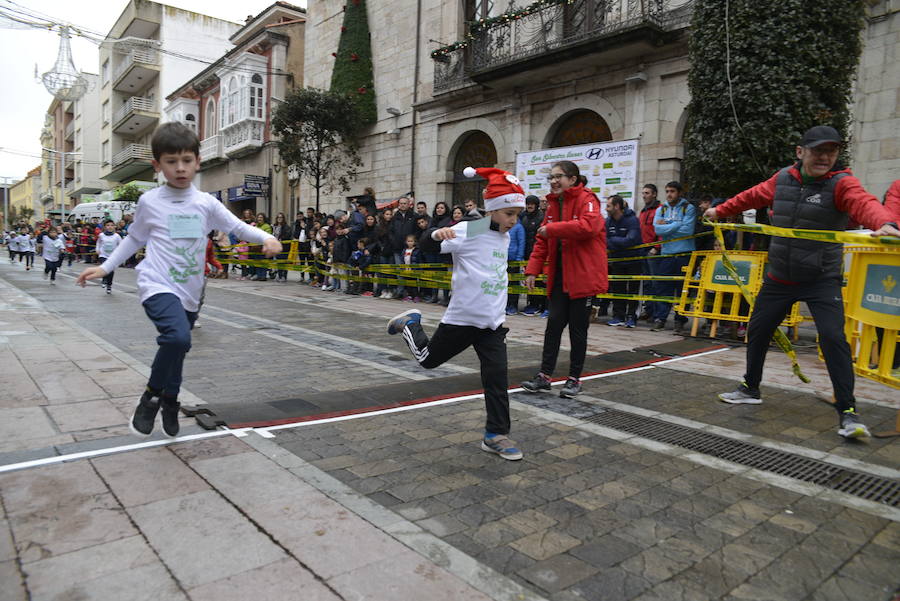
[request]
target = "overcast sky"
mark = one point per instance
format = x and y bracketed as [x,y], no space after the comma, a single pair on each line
[24,102]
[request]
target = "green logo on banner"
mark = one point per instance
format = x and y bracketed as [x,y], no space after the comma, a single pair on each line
[607,165]
[531,172]
[534,186]
[613,180]
[881,292]
[722,277]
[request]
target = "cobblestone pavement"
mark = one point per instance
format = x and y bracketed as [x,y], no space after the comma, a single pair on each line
[590,513]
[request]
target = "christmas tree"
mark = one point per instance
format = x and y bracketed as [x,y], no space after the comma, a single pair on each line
[353,73]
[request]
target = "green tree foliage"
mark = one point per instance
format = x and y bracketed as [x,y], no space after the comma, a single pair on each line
[353,73]
[317,131]
[130,192]
[791,64]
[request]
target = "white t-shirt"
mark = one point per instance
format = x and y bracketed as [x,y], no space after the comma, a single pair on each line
[173,223]
[52,248]
[107,243]
[479,278]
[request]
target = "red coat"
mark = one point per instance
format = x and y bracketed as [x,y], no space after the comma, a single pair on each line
[892,200]
[581,228]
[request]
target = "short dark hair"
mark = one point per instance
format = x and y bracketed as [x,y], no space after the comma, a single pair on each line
[531,199]
[617,201]
[676,185]
[109,221]
[173,137]
[651,187]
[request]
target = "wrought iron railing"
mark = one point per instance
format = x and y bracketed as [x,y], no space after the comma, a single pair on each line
[553,27]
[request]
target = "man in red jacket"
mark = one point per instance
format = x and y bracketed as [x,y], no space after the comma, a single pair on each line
[570,247]
[813,193]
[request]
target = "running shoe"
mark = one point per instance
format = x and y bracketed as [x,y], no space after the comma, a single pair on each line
[630,323]
[851,427]
[570,389]
[398,322]
[511,311]
[529,312]
[170,407]
[658,325]
[144,415]
[501,445]
[744,395]
[537,383]
[615,322]
[545,314]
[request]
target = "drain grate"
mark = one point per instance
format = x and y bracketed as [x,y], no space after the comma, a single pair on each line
[858,484]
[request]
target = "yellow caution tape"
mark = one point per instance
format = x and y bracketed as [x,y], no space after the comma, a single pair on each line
[817,235]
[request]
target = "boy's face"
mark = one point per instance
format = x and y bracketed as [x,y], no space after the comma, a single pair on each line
[109,227]
[410,241]
[505,218]
[178,168]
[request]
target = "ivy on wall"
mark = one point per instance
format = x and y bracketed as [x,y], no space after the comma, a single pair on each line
[791,64]
[353,73]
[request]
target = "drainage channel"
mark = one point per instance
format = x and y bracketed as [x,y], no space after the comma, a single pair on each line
[865,486]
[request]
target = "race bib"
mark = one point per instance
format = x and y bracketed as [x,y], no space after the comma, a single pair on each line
[185,226]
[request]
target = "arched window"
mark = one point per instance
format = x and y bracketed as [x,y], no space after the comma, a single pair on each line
[210,124]
[476,150]
[191,121]
[256,97]
[581,127]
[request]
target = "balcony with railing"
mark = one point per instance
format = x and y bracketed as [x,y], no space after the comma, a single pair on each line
[242,137]
[129,161]
[604,30]
[135,116]
[135,69]
[211,150]
[70,130]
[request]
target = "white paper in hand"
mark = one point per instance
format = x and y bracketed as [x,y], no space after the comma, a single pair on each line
[477,227]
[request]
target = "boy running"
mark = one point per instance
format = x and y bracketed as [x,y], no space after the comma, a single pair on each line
[477,308]
[172,222]
[107,242]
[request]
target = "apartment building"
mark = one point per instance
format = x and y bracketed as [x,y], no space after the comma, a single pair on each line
[150,50]
[230,105]
[25,194]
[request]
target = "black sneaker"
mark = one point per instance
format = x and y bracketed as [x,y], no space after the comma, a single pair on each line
[144,414]
[851,427]
[170,407]
[537,383]
[571,389]
[658,326]
[744,395]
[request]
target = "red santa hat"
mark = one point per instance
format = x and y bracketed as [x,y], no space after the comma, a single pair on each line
[503,189]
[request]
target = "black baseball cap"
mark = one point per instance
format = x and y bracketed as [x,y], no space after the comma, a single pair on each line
[820,134]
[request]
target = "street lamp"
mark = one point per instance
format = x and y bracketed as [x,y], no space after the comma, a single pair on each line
[62,179]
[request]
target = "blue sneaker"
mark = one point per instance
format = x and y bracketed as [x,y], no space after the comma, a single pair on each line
[501,445]
[615,322]
[529,311]
[398,322]
[545,314]
[630,323]
[511,311]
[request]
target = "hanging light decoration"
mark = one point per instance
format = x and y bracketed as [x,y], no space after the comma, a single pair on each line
[63,81]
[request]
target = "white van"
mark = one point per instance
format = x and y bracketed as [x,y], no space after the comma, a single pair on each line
[111,209]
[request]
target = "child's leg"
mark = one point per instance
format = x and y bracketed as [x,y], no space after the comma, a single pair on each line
[174,326]
[490,345]
[54,265]
[447,342]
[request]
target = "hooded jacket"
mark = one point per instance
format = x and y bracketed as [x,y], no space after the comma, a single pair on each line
[573,223]
[675,222]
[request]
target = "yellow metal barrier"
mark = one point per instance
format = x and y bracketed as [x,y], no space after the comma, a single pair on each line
[710,292]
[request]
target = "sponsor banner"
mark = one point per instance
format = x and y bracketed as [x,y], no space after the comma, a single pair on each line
[610,168]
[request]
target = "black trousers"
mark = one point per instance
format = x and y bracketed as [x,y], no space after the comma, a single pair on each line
[490,346]
[621,307]
[823,298]
[51,267]
[572,312]
[108,279]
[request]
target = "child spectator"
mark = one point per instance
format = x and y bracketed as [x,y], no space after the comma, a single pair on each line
[516,252]
[476,312]
[360,258]
[172,221]
[411,256]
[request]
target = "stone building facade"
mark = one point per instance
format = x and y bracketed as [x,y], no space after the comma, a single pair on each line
[568,73]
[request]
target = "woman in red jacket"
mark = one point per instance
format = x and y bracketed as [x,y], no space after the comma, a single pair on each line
[570,247]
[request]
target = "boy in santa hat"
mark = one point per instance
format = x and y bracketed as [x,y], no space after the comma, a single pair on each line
[477,308]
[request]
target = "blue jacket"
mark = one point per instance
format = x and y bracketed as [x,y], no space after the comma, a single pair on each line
[516,251]
[623,233]
[675,222]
